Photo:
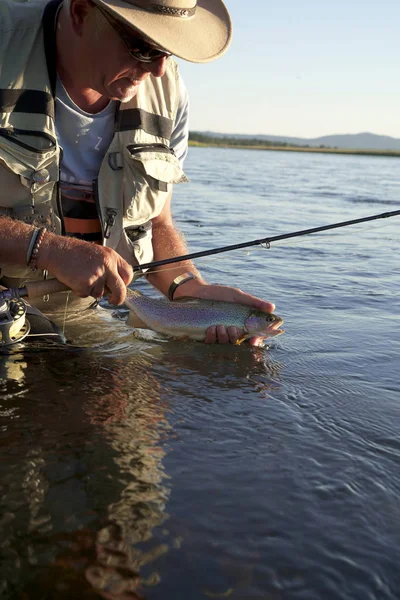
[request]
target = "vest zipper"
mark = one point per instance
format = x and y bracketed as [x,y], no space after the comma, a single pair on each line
[111,213]
[163,148]
[11,135]
[110,222]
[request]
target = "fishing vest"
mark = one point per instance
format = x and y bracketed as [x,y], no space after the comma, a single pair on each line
[138,169]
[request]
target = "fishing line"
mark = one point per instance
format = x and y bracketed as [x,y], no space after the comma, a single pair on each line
[263,241]
[65,312]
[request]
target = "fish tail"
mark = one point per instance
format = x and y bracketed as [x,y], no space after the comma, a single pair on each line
[132,294]
[133,319]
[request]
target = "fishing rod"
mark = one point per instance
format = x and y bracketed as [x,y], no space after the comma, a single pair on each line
[14,326]
[263,241]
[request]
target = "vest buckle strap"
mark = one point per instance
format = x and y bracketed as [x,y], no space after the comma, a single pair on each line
[40,215]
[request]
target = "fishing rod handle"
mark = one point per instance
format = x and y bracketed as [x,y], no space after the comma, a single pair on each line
[45,287]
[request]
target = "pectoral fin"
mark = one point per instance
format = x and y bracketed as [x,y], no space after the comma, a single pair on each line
[241,340]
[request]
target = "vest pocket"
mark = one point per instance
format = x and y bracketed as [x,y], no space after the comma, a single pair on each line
[135,246]
[151,169]
[27,172]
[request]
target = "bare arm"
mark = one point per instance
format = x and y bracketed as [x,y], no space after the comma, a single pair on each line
[88,269]
[168,242]
[14,241]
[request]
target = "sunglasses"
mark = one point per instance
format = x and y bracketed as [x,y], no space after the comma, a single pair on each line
[138,48]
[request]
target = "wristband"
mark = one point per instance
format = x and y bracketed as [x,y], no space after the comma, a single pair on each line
[181,279]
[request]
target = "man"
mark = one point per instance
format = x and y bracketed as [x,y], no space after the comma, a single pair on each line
[96,79]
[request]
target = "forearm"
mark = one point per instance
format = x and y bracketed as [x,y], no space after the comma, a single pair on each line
[14,241]
[88,269]
[169,242]
[15,237]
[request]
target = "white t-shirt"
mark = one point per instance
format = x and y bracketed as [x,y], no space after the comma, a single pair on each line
[84,138]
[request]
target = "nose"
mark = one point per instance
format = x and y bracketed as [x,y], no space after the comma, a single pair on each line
[156,68]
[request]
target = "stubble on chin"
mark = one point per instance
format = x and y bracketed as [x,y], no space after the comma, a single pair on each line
[128,96]
[127,93]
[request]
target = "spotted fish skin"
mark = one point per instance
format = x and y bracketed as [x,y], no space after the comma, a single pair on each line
[190,318]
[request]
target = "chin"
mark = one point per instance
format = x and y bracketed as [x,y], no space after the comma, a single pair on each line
[124,93]
[128,96]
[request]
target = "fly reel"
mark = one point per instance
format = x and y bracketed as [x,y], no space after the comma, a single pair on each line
[14,326]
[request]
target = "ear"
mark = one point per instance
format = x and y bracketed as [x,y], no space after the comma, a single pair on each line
[78,12]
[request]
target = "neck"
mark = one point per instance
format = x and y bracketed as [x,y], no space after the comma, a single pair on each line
[72,69]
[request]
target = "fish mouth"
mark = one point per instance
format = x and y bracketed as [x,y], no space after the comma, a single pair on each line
[274,330]
[277,324]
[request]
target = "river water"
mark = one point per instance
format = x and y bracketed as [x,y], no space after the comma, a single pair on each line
[139,467]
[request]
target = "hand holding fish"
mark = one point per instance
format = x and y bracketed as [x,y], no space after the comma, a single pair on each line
[195,318]
[219,333]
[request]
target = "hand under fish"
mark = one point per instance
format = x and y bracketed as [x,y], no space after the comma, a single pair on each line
[191,317]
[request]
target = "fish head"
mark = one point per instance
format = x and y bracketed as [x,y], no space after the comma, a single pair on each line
[263,324]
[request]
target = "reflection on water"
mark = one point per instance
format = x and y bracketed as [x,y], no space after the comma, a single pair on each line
[135,467]
[85,433]
[84,481]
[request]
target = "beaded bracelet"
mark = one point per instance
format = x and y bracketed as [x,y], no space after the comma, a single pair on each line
[38,239]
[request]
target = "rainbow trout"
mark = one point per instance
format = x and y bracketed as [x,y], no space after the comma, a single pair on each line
[190,318]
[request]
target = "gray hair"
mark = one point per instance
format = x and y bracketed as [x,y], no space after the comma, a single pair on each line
[100,23]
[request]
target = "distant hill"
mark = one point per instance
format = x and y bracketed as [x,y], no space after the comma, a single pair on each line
[356,141]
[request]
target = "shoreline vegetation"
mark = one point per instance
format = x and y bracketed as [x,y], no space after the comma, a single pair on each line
[203,140]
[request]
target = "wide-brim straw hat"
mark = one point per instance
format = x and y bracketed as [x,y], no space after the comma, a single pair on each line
[195,31]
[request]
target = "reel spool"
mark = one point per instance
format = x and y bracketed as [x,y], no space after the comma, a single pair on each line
[14,327]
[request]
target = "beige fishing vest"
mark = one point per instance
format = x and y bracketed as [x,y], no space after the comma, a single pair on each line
[138,169]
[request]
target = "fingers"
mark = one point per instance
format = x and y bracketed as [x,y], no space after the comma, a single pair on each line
[248,299]
[97,290]
[211,335]
[234,334]
[220,334]
[118,275]
[230,335]
[125,271]
[230,294]
[117,282]
[117,288]
[111,277]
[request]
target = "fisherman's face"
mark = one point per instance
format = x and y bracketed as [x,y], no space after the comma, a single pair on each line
[115,73]
[122,83]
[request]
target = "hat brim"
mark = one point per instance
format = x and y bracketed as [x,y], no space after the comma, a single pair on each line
[200,39]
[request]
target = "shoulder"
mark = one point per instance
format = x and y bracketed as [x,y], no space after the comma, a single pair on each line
[180,134]
[20,15]
[20,22]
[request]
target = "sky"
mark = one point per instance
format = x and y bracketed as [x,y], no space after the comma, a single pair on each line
[302,68]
